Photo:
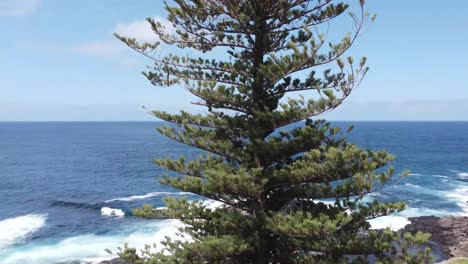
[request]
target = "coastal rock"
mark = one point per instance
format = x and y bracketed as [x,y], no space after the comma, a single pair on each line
[114,261]
[449,233]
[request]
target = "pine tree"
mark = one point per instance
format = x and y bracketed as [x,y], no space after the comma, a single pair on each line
[267,157]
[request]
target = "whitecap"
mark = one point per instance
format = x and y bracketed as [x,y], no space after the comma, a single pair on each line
[394,222]
[17,229]
[441,176]
[462,174]
[460,195]
[91,248]
[146,196]
[107,211]
[413,185]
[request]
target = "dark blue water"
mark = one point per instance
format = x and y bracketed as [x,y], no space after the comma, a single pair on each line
[55,178]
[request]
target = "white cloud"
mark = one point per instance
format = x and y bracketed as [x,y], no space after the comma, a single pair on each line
[97,48]
[141,29]
[111,47]
[101,48]
[18,8]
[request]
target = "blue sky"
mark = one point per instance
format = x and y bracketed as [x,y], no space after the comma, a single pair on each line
[60,62]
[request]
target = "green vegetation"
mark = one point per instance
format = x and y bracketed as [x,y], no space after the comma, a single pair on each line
[270,175]
[456,261]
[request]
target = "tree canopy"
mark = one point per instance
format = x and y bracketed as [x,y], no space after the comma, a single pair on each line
[267,157]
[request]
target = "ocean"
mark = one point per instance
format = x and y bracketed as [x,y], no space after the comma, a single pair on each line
[67,188]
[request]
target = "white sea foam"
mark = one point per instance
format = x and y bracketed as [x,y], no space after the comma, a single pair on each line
[441,176]
[107,211]
[212,204]
[413,186]
[15,230]
[460,195]
[326,202]
[462,174]
[146,196]
[395,222]
[91,248]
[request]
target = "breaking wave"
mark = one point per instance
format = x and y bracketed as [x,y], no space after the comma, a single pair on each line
[107,211]
[441,176]
[395,222]
[91,248]
[17,229]
[460,196]
[146,196]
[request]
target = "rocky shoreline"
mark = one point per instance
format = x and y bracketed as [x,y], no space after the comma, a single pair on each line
[449,235]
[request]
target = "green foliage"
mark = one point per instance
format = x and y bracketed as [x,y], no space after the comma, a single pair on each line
[456,261]
[270,177]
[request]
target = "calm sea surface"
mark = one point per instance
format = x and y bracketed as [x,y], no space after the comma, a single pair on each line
[67,189]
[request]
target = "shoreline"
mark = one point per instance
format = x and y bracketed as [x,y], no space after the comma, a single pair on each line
[449,233]
[449,236]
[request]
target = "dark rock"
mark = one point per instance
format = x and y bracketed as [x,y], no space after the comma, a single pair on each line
[449,234]
[114,261]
